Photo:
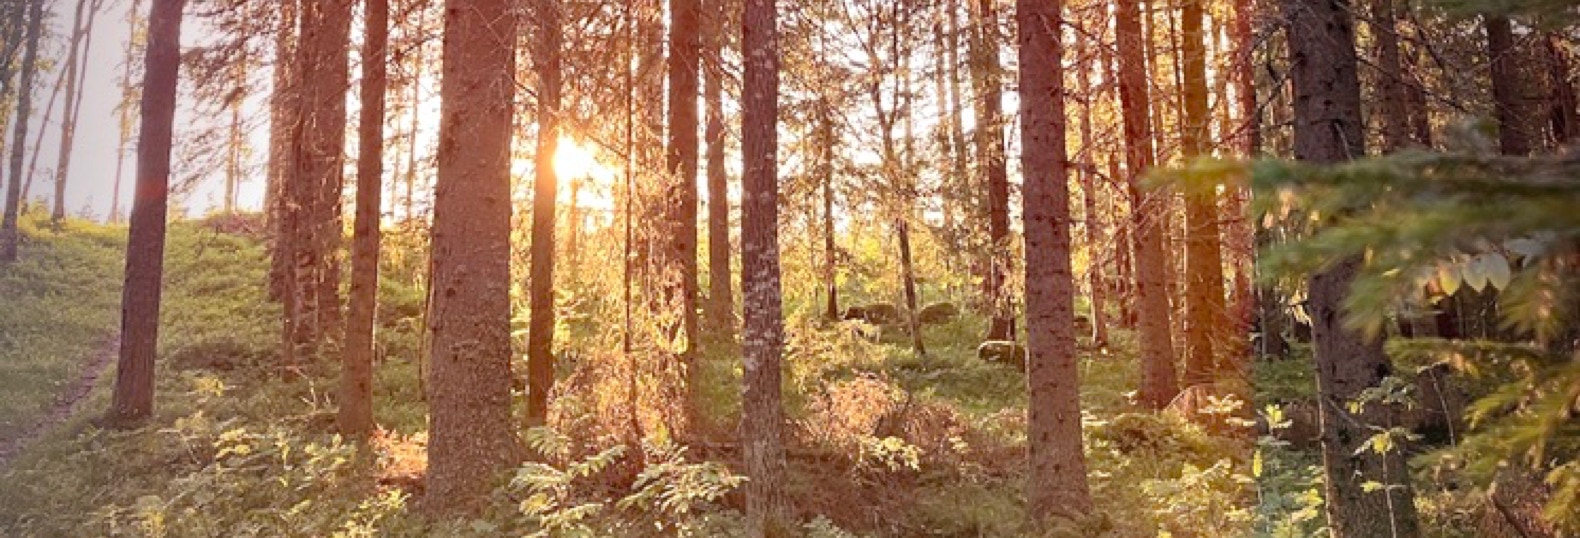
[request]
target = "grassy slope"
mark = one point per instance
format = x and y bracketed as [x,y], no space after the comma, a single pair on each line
[235,451]
[57,306]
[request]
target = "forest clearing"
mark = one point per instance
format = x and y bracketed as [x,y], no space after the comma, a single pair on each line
[774,268]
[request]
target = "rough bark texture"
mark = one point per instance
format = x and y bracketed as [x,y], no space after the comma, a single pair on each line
[470,440]
[1328,129]
[313,207]
[902,231]
[356,378]
[283,109]
[1056,485]
[1204,290]
[991,162]
[721,293]
[1158,381]
[1390,101]
[540,329]
[680,195]
[762,414]
[24,100]
[133,398]
[1514,137]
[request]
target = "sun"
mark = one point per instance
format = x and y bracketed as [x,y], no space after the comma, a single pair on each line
[572,161]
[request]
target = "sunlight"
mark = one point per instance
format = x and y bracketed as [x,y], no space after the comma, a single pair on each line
[574,162]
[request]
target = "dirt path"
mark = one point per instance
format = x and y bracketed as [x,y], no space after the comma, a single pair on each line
[65,404]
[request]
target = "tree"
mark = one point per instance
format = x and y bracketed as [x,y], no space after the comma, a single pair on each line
[76,70]
[1158,381]
[540,329]
[356,387]
[991,160]
[1056,484]
[1204,293]
[1328,129]
[720,306]
[313,209]
[283,107]
[470,439]
[126,109]
[8,226]
[762,414]
[1514,136]
[680,196]
[133,399]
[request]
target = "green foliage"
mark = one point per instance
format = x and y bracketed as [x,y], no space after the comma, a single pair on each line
[60,306]
[1424,225]
[670,494]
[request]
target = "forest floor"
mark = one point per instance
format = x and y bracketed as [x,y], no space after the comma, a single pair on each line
[883,442]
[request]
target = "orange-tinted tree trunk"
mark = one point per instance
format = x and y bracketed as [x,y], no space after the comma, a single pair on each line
[762,413]
[356,378]
[133,399]
[470,438]
[1056,485]
[540,329]
[34,18]
[1158,381]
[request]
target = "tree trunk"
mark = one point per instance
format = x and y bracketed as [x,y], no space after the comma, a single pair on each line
[127,107]
[471,440]
[1563,103]
[356,386]
[233,164]
[990,157]
[24,100]
[1098,296]
[68,120]
[762,414]
[1158,382]
[313,313]
[1514,136]
[133,398]
[1056,485]
[1328,129]
[826,141]
[283,111]
[681,193]
[721,292]
[1390,77]
[902,230]
[1204,292]
[540,331]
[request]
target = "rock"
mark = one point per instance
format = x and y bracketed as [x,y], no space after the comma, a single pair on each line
[1003,352]
[938,313]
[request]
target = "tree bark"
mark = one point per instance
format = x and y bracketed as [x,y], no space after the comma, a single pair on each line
[470,440]
[1204,292]
[1098,297]
[762,414]
[1563,102]
[356,386]
[681,193]
[8,225]
[721,292]
[1390,77]
[826,142]
[133,397]
[1514,136]
[991,162]
[1056,485]
[1328,129]
[1158,382]
[283,111]
[540,329]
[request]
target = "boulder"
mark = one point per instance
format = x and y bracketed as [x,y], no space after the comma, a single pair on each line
[1003,352]
[938,313]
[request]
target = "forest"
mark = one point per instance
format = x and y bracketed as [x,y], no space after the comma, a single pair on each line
[790,268]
